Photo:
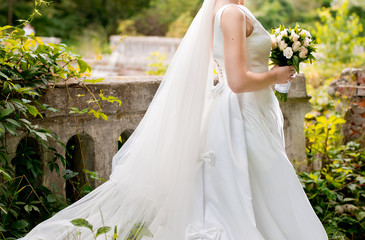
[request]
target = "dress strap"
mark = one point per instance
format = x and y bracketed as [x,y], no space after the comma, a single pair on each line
[218,15]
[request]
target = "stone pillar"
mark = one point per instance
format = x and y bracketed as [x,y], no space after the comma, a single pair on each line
[351,85]
[294,111]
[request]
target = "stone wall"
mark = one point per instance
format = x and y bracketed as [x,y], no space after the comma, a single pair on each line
[351,85]
[135,93]
[101,137]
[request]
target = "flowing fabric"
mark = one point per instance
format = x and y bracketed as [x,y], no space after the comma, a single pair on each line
[247,188]
[204,163]
[153,176]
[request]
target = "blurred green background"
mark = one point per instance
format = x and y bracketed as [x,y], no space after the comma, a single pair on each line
[68,19]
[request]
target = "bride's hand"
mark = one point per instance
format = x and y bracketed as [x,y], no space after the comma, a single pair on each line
[283,74]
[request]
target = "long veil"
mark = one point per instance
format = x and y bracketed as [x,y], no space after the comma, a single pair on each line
[154,173]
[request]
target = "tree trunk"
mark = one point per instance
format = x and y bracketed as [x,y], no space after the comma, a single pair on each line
[10,12]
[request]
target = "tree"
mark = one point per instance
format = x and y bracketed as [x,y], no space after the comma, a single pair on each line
[68,18]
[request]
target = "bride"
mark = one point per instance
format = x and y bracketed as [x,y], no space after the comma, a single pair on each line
[207,161]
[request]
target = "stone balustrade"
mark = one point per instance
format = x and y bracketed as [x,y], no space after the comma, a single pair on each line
[130,56]
[99,138]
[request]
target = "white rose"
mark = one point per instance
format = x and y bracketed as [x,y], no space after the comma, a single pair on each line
[295,37]
[296,46]
[278,38]
[288,52]
[274,43]
[284,33]
[282,45]
[305,33]
[292,34]
[303,52]
[306,42]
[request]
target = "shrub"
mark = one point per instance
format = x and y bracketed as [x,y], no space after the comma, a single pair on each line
[337,193]
[28,68]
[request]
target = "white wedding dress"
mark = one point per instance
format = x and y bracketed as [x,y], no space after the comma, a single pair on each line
[248,187]
[243,187]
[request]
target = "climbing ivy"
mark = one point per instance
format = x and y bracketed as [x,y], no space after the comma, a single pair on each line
[29,68]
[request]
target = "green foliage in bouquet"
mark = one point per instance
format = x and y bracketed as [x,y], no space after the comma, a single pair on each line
[291,46]
[282,97]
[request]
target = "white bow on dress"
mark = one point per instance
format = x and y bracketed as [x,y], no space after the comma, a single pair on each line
[194,233]
[208,157]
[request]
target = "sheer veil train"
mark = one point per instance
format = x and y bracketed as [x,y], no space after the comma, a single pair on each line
[153,176]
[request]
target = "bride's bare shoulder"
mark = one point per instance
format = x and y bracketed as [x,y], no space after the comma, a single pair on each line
[233,17]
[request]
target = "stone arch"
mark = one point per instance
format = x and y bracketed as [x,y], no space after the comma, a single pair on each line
[124,137]
[28,151]
[80,155]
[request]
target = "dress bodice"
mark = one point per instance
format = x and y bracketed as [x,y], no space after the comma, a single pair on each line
[258,47]
[258,44]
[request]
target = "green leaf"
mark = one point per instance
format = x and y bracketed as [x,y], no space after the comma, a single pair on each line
[2,128]
[20,224]
[51,198]
[4,174]
[14,213]
[80,222]
[68,174]
[15,123]
[33,110]
[11,129]
[36,208]
[105,117]
[2,229]
[6,112]
[139,231]
[82,65]
[5,27]
[94,175]
[4,76]
[95,113]
[26,100]
[102,230]
[98,80]
[28,208]
[296,63]
[360,216]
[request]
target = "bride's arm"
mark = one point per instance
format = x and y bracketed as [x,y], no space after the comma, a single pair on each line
[234,43]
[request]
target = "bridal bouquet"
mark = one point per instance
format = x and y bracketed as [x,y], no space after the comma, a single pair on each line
[290,47]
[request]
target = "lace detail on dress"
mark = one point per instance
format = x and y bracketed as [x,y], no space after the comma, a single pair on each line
[218,89]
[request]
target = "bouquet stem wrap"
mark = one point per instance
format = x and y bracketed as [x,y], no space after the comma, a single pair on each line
[281,91]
